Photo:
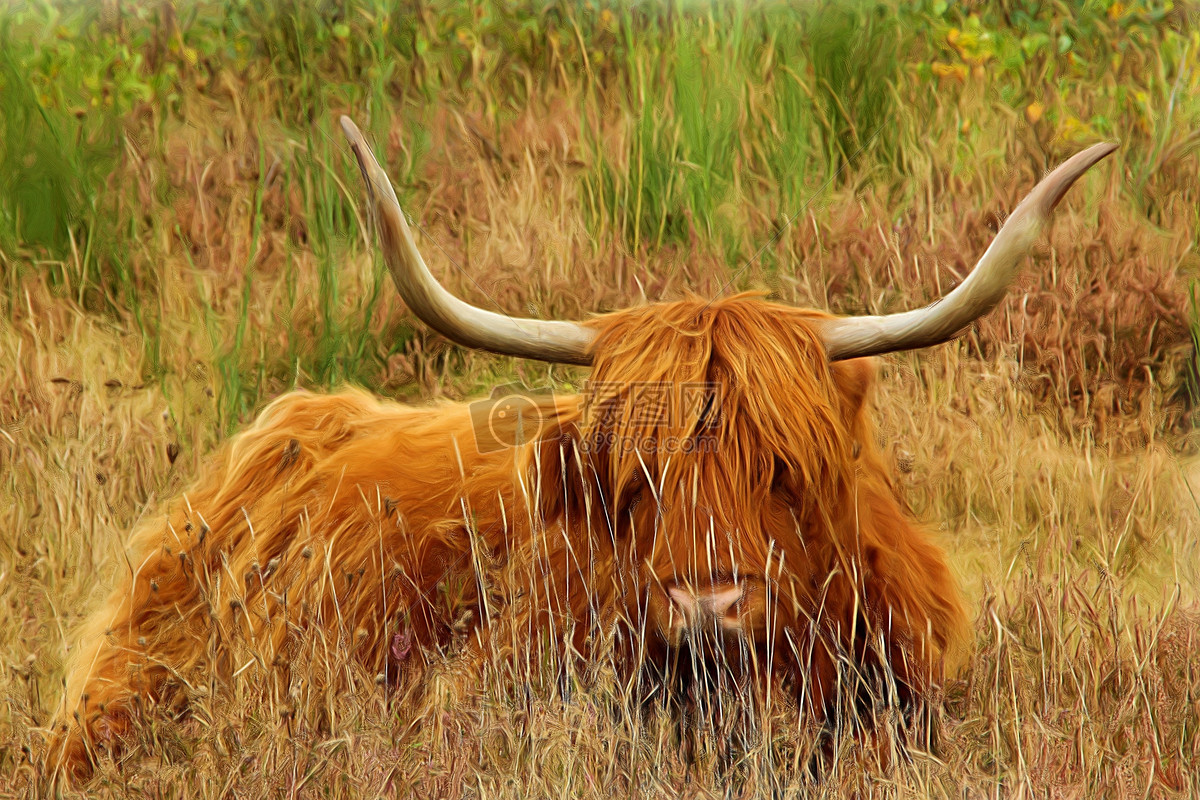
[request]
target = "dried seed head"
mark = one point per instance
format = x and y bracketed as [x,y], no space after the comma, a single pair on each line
[291,451]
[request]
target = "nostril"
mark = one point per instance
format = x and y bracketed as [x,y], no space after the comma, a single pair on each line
[683,600]
[711,608]
[719,601]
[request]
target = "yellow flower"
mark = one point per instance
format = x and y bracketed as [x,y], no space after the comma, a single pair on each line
[1073,129]
[956,71]
[1034,112]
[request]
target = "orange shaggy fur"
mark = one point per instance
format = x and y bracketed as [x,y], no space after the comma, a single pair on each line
[372,520]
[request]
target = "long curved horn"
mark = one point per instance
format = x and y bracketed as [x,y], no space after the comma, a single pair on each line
[546,340]
[853,337]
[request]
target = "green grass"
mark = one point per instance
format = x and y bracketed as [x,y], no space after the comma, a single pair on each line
[182,239]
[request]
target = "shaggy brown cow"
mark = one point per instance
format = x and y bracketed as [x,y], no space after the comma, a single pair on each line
[717,489]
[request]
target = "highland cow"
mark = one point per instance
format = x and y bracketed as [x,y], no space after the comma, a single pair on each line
[718,489]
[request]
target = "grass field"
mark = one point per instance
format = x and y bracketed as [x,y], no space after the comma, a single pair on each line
[183,238]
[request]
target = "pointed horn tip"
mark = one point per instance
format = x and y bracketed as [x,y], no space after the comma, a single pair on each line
[1086,159]
[373,175]
[350,129]
[1062,178]
[848,337]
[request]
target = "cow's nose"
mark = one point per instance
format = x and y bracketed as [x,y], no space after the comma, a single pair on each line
[710,608]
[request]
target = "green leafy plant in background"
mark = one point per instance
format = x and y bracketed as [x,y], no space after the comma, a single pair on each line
[696,118]
[183,237]
[717,91]
[63,100]
[855,52]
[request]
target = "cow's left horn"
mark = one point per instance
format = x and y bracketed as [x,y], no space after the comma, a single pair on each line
[547,340]
[853,337]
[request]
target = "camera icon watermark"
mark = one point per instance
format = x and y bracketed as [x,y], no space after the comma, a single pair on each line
[617,417]
[513,415]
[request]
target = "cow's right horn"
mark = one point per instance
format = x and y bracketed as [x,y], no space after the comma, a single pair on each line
[852,337]
[546,340]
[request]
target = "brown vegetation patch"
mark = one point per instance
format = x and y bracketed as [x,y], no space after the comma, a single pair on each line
[1100,321]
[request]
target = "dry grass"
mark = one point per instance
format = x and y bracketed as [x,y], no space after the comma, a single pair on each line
[1050,447]
[1081,565]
